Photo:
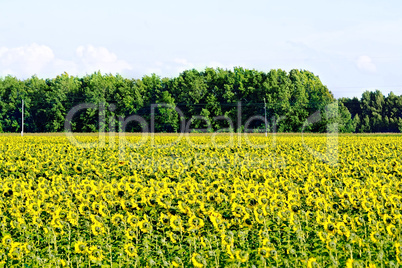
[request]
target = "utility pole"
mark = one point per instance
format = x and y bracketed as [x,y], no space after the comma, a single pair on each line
[22,119]
[265,123]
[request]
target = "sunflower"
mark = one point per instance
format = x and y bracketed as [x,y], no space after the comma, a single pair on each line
[130,250]
[237,210]
[203,243]
[264,252]
[391,230]
[331,244]
[398,247]
[133,220]
[37,221]
[78,169]
[175,264]
[117,219]
[176,223]
[197,260]
[95,253]
[330,227]
[230,252]
[80,247]
[7,240]
[375,237]
[312,263]
[164,219]
[341,228]
[34,208]
[227,239]
[145,226]
[56,222]
[128,204]
[183,208]
[259,218]
[58,230]
[323,236]
[18,222]
[241,256]
[349,263]
[61,262]
[16,251]
[72,217]
[130,234]
[98,229]
[173,237]
[195,223]
[83,209]
[387,219]
[96,206]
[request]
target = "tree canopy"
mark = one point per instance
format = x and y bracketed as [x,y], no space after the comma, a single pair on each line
[218,98]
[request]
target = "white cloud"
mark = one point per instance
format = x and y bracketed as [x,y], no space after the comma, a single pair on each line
[168,68]
[59,66]
[365,63]
[26,61]
[173,67]
[215,64]
[100,58]
[182,61]
[7,72]
[181,65]
[156,71]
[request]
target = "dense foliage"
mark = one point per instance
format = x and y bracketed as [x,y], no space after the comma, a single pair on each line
[201,202]
[376,113]
[291,98]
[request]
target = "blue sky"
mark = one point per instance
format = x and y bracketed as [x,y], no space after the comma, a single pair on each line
[352,46]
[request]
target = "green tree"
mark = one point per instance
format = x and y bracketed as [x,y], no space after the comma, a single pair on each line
[166,117]
[12,91]
[372,104]
[58,101]
[36,112]
[393,112]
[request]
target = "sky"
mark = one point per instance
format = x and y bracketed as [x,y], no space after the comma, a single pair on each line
[353,46]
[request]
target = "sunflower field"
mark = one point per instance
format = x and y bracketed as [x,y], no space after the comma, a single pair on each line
[201,201]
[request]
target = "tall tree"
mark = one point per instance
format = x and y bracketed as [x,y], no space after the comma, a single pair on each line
[12,91]
[58,101]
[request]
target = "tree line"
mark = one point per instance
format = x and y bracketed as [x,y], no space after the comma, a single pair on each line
[212,99]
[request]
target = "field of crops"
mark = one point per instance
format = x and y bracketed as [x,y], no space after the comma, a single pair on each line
[205,201]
